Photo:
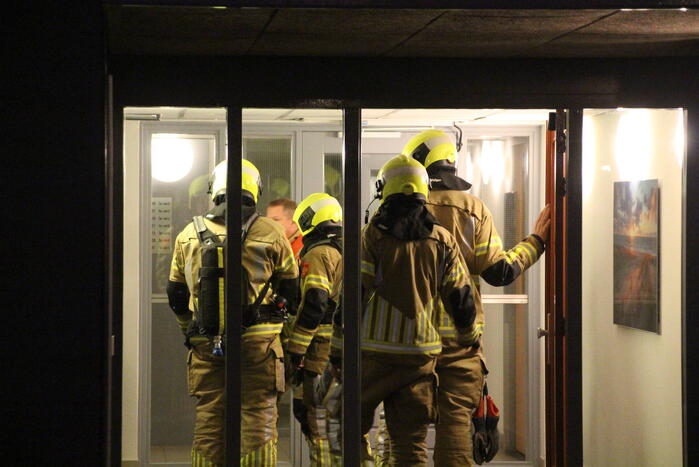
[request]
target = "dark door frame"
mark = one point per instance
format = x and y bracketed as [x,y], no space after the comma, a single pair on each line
[352,84]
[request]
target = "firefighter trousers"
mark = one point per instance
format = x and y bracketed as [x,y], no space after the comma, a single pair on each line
[461,374]
[263,380]
[308,403]
[408,392]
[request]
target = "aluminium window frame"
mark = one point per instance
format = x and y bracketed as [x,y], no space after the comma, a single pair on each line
[516,83]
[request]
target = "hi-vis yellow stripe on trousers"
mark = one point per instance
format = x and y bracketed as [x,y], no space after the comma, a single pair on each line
[221,289]
[198,460]
[264,456]
[319,451]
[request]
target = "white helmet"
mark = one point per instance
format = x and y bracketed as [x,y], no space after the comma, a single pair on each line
[251,182]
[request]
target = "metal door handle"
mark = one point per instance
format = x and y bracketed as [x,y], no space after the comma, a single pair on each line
[541,333]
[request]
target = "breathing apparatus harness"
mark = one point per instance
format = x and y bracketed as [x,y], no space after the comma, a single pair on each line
[209,308]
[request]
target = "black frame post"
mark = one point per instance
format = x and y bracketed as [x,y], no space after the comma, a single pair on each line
[573,312]
[234,261]
[690,299]
[351,297]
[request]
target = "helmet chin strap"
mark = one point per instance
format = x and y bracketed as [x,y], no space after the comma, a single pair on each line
[366,211]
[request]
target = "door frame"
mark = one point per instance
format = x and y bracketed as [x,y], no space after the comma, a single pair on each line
[340,83]
[381,152]
[146,130]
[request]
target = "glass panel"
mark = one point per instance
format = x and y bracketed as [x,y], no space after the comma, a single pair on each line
[272,155]
[169,154]
[506,344]
[497,168]
[332,175]
[632,285]
[298,152]
[495,159]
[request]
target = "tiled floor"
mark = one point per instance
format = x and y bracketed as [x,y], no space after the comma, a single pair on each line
[160,454]
[166,454]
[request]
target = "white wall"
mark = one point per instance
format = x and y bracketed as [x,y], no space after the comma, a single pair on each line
[632,396]
[132,277]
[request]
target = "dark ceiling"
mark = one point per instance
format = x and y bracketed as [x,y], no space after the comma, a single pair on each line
[156,30]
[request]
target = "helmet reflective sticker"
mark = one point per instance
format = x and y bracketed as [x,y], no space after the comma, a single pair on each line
[431,146]
[316,209]
[403,175]
[217,183]
[251,179]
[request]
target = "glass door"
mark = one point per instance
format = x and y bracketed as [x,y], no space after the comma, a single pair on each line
[169,154]
[502,158]
[298,152]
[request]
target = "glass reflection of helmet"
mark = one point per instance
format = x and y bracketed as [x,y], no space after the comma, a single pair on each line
[318,209]
[251,182]
[402,175]
[431,147]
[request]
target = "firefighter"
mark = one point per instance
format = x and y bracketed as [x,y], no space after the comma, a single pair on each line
[409,265]
[319,218]
[282,210]
[462,370]
[270,272]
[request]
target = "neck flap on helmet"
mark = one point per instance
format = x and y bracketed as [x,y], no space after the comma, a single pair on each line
[404,217]
[218,213]
[443,177]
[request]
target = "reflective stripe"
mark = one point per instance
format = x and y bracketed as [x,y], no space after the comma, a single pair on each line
[286,265]
[405,170]
[264,328]
[456,273]
[368,268]
[519,248]
[316,281]
[303,341]
[221,291]
[429,347]
[482,248]
[321,203]
[247,170]
[437,140]
[531,249]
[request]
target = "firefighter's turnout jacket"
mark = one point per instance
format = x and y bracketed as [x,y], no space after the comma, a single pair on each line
[405,283]
[471,223]
[266,251]
[320,271]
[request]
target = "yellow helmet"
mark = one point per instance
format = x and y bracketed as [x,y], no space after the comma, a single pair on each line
[431,146]
[315,210]
[252,182]
[402,175]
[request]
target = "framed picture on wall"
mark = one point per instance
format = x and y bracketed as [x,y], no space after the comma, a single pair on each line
[636,245]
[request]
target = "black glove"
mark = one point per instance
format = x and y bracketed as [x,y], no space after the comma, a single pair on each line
[294,368]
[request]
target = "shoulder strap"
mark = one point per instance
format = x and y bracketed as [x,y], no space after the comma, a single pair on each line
[247,225]
[263,293]
[205,236]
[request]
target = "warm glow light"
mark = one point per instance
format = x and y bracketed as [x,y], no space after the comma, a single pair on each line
[171,157]
[589,160]
[680,145]
[633,145]
[493,163]
[606,168]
